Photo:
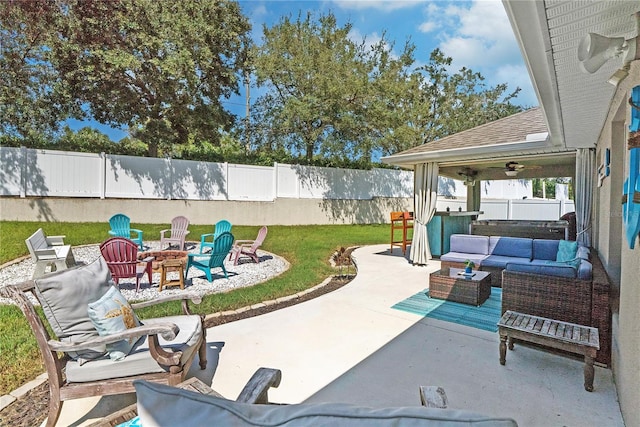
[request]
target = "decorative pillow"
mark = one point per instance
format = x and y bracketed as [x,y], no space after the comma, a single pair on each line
[64,297]
[567,250]
[110,314]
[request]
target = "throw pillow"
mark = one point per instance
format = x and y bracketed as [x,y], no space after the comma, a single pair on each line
[64,297]
[566,250]
[111,314]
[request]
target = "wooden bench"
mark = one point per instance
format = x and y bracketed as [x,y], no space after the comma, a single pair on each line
[565,336]
[47,251]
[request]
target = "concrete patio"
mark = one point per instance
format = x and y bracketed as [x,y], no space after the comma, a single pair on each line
[351,346]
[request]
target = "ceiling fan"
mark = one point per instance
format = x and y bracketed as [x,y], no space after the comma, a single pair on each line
[469,176]
[513,168]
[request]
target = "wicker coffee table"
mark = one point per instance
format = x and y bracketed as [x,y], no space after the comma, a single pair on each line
[449,285]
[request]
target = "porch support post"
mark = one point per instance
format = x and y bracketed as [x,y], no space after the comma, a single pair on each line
[473,197]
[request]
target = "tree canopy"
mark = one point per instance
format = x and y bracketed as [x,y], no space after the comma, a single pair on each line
[329,96]
[161,69]
[158,67]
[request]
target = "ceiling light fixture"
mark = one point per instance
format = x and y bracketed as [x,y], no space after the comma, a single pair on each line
[511,173]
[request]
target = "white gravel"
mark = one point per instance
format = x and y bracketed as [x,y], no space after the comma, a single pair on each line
[246,273]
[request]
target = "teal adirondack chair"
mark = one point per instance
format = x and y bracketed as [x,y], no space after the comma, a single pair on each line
[215,258]
[121,227]
[222,226]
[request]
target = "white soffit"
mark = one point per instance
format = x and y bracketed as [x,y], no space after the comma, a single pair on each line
[577,106]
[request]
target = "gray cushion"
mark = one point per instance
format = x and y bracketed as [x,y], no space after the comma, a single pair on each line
[469,243]
[462,257]
[65,296]
[140,360]
[160,405]
[585,271]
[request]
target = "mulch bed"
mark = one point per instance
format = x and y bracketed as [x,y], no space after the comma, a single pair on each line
[31,409]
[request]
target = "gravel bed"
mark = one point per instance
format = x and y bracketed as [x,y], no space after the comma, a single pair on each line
[246,273]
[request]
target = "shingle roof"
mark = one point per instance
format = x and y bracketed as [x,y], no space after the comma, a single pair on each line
[514,128]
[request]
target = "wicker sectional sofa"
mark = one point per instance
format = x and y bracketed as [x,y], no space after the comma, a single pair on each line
[538,285]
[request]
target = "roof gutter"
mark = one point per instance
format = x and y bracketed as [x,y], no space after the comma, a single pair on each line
[533,143]
[529,23]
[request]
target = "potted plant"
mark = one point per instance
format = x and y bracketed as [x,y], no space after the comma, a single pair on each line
[468,266]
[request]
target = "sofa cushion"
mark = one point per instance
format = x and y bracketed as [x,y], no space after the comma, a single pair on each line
[583,252]
[567,250]
[65,296]
[549,268]
[545,249]
[500,261]
[519,247]
[140,361]
[462,257]
[469,244]
[161,405]
[585,271]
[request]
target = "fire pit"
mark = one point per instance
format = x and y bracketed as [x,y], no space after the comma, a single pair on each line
[166,261]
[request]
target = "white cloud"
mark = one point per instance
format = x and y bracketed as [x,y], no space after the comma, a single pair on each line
[483,36]
[479,37]
[428,26]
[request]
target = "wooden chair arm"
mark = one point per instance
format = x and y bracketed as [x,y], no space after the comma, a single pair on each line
[167,330]
[185,298]
[256,390]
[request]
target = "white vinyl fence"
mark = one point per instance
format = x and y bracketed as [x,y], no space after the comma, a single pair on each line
[47,173]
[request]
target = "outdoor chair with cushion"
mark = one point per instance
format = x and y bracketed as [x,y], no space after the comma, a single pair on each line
[213,259]
[209,239]
[248,247]
[160,406]
[256,390]
[121,227]
[100,346]
[176,234]
[121,255]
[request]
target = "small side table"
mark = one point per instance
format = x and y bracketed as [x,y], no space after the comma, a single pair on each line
[172,265]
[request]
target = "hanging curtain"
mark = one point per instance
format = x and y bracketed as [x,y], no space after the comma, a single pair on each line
[424,202]
[585,167]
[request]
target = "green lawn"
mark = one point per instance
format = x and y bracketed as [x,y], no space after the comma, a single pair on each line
[307,248]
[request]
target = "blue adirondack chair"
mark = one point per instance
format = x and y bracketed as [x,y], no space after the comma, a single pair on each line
[222,226]
[121,227]
[215,258]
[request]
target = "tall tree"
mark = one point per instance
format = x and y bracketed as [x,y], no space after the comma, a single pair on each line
[331,97]
[159,67]
[453,102]
[304,64]
[33,99]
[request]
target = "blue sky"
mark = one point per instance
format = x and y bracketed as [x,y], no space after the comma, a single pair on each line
[476,34]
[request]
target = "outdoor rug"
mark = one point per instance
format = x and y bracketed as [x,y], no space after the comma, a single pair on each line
[484,317]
